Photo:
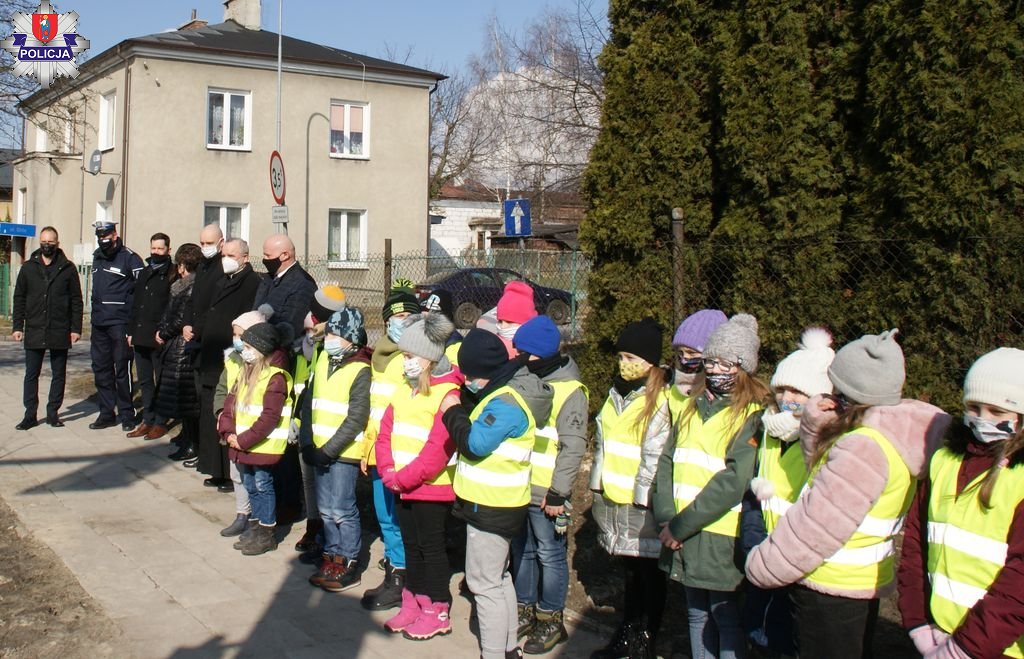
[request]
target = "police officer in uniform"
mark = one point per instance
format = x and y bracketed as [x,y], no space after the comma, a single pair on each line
[114,271]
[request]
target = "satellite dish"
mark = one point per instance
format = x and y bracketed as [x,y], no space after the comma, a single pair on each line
[95,161]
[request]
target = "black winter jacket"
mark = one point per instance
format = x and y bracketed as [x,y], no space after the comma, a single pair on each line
[176,396]
[231,297]
[46,309]
[290,296]
[209,273]
[113,286]
[152,291]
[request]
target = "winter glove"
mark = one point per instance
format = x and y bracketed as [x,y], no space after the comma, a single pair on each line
[315,457]
[924,640]
[947,649]
[390,479]
[293,432]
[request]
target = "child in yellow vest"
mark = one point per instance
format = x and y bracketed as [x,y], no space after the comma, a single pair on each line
[865,448]
[254,424]
[701,480]
[781,475]
[633,427]
[688,345]
[960,574]
[331,437]
[414,457]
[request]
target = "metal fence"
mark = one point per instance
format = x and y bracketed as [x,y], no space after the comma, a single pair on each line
[366,282]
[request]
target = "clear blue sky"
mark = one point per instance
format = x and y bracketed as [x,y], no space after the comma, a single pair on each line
[442,33]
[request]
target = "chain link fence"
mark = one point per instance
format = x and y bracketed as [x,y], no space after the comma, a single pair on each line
[366,282]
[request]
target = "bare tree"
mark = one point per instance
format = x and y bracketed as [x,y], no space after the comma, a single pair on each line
[458,142]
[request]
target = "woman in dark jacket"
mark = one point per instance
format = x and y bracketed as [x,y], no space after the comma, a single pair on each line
[176,396]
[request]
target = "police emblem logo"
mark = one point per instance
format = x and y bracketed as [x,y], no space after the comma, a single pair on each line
[44,44]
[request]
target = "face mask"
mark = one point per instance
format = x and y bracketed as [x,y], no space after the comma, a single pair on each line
[249,355]
[209,251]
[48,250]
[412,367]
[237,343]
[691,366]
[159,260]
[720,383]
[782,425]
[229,264]
[632,370]
[333,347]
[509,332]
[472,386]
[791,406]
[107,246]
[272,265]
[395,327]
[987,432]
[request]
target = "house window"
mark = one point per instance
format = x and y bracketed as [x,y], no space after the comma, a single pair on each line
[350,130]
[69,132]
[233,219]
[346,237]
[108,113]
[104,211]
[42,143]
[228,119]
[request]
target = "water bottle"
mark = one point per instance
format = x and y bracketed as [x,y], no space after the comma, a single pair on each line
[564,519]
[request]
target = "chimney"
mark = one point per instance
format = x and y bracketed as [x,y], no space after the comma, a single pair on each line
[193,23]
[246,13]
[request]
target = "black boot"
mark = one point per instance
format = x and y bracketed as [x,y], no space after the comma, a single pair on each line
[236,527]
[618,647]
[308,541]
[388,594]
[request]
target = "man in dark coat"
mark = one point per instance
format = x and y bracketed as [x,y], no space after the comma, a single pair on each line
[231,297]
[211,242]
[288,288]
[114,271]
[47,316]
[152,291]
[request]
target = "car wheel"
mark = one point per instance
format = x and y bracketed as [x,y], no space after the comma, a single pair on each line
[558,311]
[466,315]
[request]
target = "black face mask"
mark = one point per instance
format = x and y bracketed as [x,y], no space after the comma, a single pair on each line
[272,265]
[690,366]
[48,250]
[159,260]
[108,246]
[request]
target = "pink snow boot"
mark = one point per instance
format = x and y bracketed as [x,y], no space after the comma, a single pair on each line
[433,620]
[407,615]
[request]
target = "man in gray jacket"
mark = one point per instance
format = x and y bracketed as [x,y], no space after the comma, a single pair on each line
[539,553]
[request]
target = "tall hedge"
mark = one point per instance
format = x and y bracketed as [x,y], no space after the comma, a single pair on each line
[856,165]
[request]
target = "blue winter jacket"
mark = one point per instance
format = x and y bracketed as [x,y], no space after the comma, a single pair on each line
[113,286]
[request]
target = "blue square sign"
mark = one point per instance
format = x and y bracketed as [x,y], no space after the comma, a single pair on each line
[517,217]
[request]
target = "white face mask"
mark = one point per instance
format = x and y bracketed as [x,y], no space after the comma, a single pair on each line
[209,251]
[250,355]
[412,367]
[987,432]
[508,332]
[230,265]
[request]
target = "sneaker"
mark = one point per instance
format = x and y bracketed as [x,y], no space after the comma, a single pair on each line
[406,615]
[527,619]
[547,632]
[329,564]
[342,577]
[433,620]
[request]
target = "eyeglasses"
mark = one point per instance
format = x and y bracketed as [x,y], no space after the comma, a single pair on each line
[719,363]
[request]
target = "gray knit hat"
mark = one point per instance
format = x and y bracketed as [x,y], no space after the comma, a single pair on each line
[425,335]
[735,341]
[262,336]
[870,370]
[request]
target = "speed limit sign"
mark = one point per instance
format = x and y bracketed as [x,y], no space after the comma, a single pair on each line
[277,177]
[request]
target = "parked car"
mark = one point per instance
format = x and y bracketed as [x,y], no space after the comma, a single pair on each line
[477,290]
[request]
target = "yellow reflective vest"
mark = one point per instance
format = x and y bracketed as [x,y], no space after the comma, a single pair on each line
[622,439]
[383,386]
[249,408]
[545,451]
[699,454]
[786,472]
[452,353]
[411,422]
[501,479]
[967,543]
[867,560]
[232,367]
[330,404]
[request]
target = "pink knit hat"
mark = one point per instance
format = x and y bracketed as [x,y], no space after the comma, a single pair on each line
[516,303]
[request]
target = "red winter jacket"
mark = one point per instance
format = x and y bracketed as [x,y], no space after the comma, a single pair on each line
[997,619]
[435,455]
[273,403]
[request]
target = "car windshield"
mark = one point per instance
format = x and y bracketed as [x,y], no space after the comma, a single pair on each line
[505,276]
[439,277]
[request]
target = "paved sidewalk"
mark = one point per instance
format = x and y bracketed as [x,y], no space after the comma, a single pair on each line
[141,535]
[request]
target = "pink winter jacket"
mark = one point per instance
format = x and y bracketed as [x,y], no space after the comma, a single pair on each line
[845,489]
[435,455]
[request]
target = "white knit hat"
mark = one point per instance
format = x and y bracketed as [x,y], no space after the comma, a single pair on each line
[806,369]
[997,378]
